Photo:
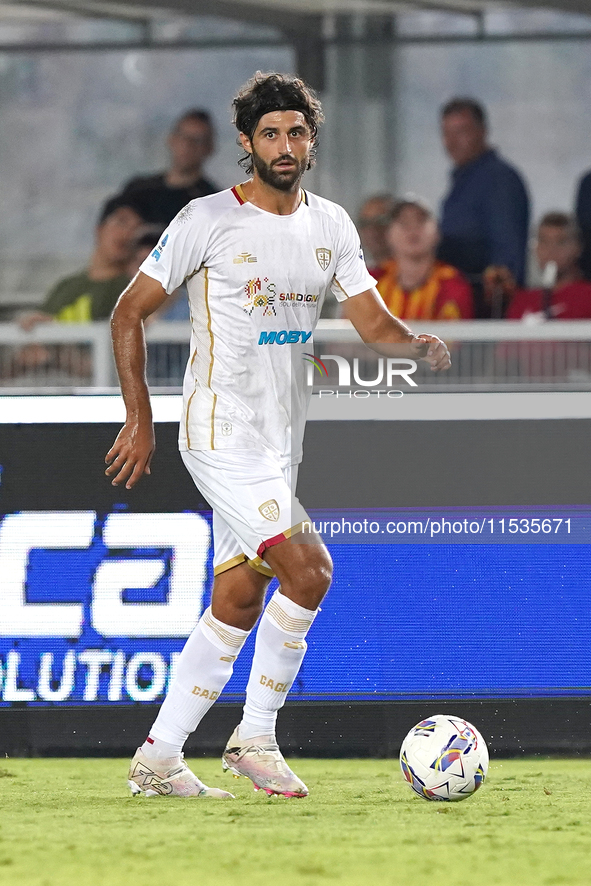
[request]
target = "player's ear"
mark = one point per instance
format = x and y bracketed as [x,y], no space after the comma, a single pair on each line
[245,142]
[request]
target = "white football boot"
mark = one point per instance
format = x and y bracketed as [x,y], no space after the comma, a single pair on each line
[261,760]
[168,777]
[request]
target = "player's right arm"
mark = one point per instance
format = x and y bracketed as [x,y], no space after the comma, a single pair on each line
[131,453]
[388,335]
[362,304]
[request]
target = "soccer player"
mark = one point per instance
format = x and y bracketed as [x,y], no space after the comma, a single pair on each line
[258,259]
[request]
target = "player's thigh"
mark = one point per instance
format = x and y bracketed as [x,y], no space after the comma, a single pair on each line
[227,549]
[238,590]
[251,492]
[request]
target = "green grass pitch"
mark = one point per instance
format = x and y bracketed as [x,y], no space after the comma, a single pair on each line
[74,823]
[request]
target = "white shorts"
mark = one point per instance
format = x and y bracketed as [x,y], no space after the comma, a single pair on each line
[253,504]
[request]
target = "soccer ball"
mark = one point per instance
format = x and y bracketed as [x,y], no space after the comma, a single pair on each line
[444,758]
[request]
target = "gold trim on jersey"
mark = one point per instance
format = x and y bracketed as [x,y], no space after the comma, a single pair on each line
[195,387]
[294,530]
[259,565]
[188,410]
[340,287]
[211,358]
[239,192]
[229,564]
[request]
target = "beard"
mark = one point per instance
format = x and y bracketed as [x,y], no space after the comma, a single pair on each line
[288,180]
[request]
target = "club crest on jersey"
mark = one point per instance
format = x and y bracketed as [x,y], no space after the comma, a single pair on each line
[323,257]
[259,299]
[270,510]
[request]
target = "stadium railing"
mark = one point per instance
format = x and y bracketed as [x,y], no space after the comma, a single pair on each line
[487,355]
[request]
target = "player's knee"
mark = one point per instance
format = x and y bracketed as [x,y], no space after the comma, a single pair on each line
[238,596]
[309,584]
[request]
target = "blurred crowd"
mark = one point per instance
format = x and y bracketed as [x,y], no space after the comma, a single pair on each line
[468,261]
[472,260]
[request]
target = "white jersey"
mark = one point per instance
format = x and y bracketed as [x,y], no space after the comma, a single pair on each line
[256,283]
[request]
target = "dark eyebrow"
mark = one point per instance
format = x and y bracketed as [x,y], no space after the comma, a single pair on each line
[298,126]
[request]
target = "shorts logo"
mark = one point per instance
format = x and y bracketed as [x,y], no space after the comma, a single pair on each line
[227,428]
[270,510]
[323,257]
[244,258]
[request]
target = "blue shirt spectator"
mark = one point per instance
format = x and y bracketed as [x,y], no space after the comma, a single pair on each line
[584,219]
[485,217]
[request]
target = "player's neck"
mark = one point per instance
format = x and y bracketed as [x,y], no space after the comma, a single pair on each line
[270,199]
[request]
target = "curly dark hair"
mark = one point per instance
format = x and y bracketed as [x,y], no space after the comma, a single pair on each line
[275,92]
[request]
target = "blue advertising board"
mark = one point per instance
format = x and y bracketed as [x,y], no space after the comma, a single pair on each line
[95,608]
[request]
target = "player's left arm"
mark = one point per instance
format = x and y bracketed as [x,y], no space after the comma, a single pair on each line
[386,334]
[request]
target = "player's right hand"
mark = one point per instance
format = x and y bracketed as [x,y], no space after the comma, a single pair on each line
[432,350]
[130,455]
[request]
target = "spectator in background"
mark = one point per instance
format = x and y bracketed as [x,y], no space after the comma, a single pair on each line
[163,195]
[88,295]
[144,243]
[414,285]
[583,210]
[485,217]
[372,221]
[91,293]
[567,295]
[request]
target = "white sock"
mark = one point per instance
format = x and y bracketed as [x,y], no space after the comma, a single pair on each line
[279,652]
[156,749]
[204,667]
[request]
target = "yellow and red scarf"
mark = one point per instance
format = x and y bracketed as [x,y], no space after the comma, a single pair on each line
[422,302]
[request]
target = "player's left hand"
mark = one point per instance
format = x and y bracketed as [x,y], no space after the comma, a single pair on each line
[437,354]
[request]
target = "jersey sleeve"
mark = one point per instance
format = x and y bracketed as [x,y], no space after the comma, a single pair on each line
[351,276]
[181,248]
